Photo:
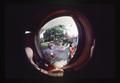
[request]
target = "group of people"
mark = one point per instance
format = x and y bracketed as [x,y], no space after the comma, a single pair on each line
[56,54]
[71,48]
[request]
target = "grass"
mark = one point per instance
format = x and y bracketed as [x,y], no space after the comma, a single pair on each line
[44,45]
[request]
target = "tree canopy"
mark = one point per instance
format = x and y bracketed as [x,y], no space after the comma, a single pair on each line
[54,33]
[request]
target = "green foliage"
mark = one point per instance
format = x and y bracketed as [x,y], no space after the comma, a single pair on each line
[54,33]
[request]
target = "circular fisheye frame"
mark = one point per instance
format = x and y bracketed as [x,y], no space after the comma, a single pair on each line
[63,41]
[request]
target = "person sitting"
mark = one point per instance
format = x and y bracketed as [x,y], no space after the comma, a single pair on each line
[72,49]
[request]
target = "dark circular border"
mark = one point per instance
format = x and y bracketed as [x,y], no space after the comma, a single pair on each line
[85,35]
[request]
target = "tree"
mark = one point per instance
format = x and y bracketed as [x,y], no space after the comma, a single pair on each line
[54,33]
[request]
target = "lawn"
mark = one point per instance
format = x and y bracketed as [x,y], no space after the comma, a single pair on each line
[44,45]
